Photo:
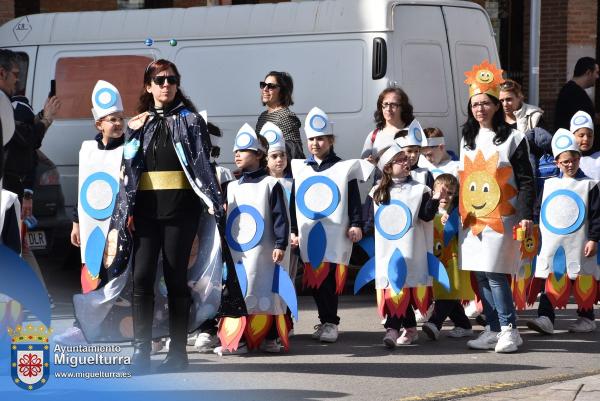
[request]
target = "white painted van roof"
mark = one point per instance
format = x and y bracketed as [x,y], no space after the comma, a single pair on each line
[290,18]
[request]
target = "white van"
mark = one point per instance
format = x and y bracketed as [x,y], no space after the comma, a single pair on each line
[340,53]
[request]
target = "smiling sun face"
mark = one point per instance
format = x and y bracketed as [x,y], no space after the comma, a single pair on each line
[485,76]
[485,193]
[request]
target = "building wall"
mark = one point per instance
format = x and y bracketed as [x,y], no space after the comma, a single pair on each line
[7,10]
[54,6]
[568,32]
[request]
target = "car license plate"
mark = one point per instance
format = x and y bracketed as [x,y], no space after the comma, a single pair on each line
[36,239]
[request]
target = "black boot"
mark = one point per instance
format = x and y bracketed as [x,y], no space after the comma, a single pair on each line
[143,311]
[177,359]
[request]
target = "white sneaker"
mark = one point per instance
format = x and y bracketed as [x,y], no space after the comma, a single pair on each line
[487,339]
[318,331]
[423,318]
[431,330]
[471,310]
[509,339]
[271,346]
[71,336]
[408,336]
[541,324]
[191,338]
[582,325]
[329,333]
[241,349]
[390,338]
[205,342]
[459,332]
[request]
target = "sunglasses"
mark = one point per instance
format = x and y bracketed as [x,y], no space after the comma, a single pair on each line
[160,79]
[267,85]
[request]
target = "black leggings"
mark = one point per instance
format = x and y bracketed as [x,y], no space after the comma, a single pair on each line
[174,238]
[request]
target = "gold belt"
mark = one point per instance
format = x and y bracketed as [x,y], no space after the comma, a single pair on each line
[158,180]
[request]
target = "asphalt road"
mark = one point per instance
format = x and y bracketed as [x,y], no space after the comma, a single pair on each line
[358,366]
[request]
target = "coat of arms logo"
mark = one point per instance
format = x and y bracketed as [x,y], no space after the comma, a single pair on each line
[30,356]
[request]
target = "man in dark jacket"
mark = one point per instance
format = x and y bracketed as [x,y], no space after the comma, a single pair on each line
[573,97]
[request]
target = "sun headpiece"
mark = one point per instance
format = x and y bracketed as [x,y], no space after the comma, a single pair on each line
[484,78]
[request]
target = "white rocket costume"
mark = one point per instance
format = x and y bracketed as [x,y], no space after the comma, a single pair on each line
[266,285]
[564,220]
[447,166]
[415,137]
[590,165]
[98,187]
[321,201]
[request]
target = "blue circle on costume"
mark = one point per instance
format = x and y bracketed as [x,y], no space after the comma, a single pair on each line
[417,134]
[563,142]
[111,102]
[301,202]
[407,212]
[271,136]
[244,140]
[318,123]
[260,228]
[98,214]
[563,230]
[580,120]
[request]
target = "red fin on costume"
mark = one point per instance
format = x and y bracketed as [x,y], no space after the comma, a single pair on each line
[230,332]
[341,273]
[257,328]
[584,290]
[313,278]
[535,287]
[558,290]
[520,284]
[88,283]
[283,328]
[421,296]
[396,304]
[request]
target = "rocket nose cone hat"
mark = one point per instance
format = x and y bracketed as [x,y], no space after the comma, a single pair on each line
[246,139]
[581,119]
[388,155]
[562,141]
[317,123]
[484,78]
[274,136]
[414,137]
[105,100]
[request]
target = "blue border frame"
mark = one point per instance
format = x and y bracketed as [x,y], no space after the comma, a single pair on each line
[260,228]
[98,214]
[573,227]
[309,182]
[386,235]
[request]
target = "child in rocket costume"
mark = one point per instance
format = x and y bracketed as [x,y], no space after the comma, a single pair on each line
[434,156]
[582,127]
[257,233]
[411,140]
[329,218]
[400,214]
[570,230]
[99,171]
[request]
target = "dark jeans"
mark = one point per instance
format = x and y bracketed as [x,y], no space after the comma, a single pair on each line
[407,321]
[449,308]
[545,308]
[174,238]
[326,298]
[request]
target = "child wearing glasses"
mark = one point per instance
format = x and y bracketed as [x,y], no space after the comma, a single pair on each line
[400,214]
[448,302]
[434,156]
[257,232]
[100,157]
[329,218]
[570,230]
[582,127]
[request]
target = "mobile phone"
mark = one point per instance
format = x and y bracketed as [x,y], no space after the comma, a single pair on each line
[52,88]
